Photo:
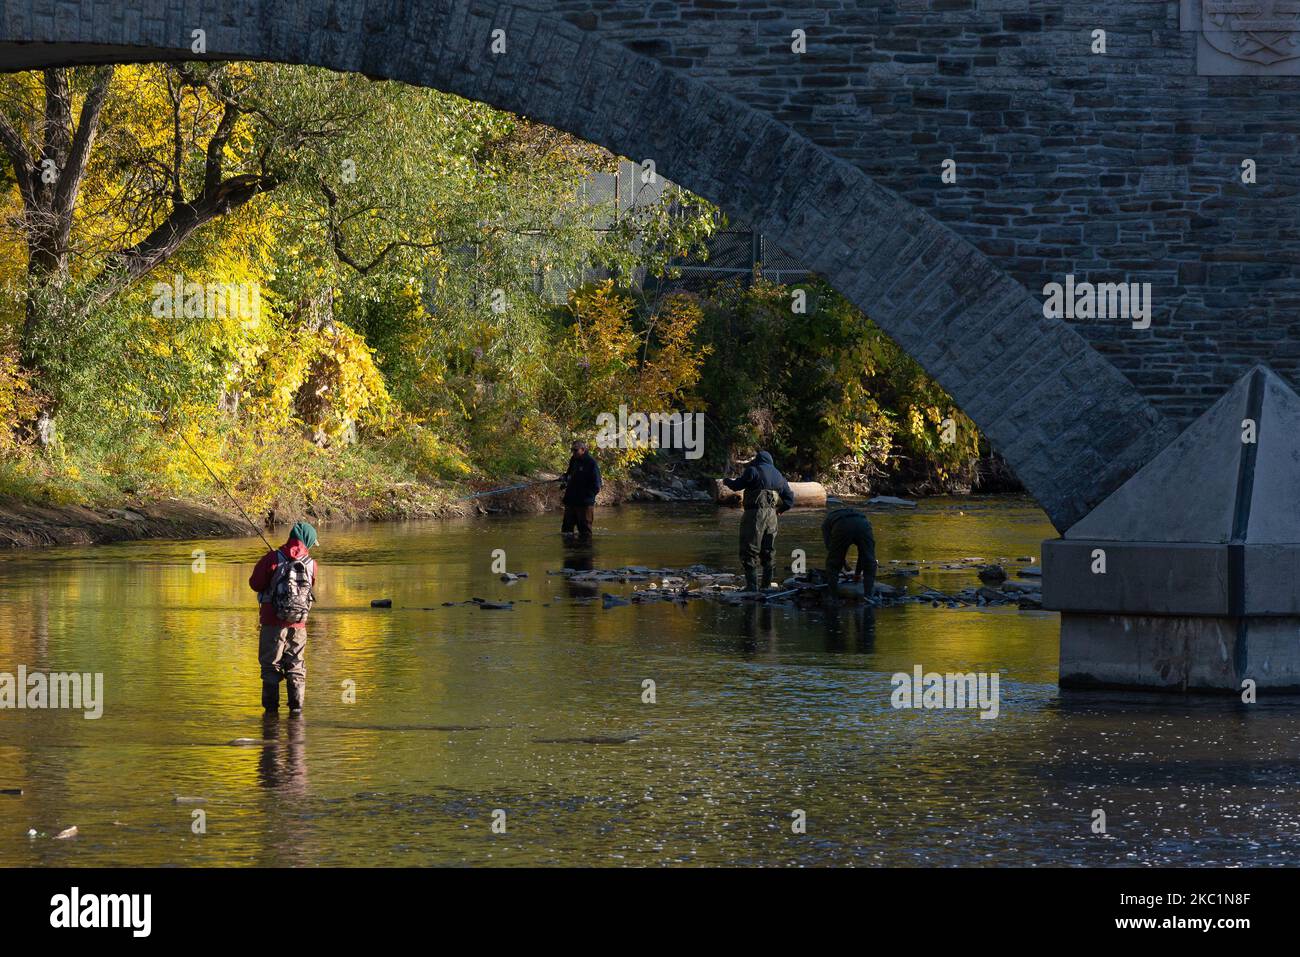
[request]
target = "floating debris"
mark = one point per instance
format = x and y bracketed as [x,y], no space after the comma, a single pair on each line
[382,603]
[178,799]
[13,792]
[66,833]
[495,605]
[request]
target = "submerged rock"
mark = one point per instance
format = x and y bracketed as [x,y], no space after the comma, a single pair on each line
[1021,586]
[682,585]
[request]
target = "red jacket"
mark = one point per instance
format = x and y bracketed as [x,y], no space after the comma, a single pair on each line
[261,579]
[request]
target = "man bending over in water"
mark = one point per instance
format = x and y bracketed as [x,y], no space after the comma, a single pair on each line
[843,529]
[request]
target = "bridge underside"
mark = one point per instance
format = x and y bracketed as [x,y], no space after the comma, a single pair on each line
[1071,426]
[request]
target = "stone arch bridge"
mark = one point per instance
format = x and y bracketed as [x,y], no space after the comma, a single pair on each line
[1149,146]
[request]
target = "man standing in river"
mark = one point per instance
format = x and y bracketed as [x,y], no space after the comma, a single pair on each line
[581,483]
[284,580]
[765,494]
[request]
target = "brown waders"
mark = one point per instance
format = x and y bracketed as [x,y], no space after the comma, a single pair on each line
[280,653]
[577,522]
[758,539]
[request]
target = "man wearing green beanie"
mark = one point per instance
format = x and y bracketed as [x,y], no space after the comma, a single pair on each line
[285,581]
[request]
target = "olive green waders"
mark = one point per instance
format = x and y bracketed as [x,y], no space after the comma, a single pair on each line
[758,539]
[842,530]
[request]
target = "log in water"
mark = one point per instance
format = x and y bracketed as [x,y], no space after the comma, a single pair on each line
[806,495]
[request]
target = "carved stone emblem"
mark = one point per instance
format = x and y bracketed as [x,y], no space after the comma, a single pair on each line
[1244,37]
[1255,31]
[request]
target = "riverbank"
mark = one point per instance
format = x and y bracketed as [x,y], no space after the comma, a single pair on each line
[30,524]
[25,523]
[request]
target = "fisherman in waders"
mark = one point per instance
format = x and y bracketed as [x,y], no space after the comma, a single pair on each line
[846,528]
[765,494]
[581,484]
[284,579]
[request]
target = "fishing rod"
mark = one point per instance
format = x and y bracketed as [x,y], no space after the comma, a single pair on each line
[508,488]
[253,525]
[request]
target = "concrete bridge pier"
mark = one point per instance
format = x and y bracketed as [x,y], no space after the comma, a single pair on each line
[1185,578]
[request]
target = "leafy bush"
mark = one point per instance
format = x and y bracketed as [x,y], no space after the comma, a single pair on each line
[824,389]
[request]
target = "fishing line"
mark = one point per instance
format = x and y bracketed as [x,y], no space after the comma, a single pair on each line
[508,488]
[253,525]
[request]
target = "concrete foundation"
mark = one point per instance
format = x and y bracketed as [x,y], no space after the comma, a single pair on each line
[1185,578]
[1180,653]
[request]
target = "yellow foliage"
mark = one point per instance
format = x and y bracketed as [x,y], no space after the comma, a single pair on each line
[18,403]
[650,371]
[327,379]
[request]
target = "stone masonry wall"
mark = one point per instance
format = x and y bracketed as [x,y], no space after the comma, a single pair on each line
[1117,167]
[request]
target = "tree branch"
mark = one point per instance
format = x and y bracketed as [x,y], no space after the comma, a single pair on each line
[127,265]
[21,160]
[215,161]
[78,153]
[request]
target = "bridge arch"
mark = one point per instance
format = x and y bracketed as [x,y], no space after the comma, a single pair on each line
[1069,423]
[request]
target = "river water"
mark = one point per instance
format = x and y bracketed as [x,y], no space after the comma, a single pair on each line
[534,718]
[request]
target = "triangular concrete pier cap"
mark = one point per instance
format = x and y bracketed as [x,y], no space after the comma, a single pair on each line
[1208,485]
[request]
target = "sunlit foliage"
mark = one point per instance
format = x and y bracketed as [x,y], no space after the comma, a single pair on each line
[341,295]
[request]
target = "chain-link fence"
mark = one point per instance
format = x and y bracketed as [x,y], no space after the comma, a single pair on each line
[736,253]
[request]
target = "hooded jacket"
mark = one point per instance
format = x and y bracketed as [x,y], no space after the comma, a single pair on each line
[264,571]
[761,475]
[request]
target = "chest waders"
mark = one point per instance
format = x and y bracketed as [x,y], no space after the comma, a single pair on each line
[758,538]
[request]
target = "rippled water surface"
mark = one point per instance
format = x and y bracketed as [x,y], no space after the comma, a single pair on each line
[538,712]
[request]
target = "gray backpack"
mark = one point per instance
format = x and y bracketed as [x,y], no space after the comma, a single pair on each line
[290,592]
